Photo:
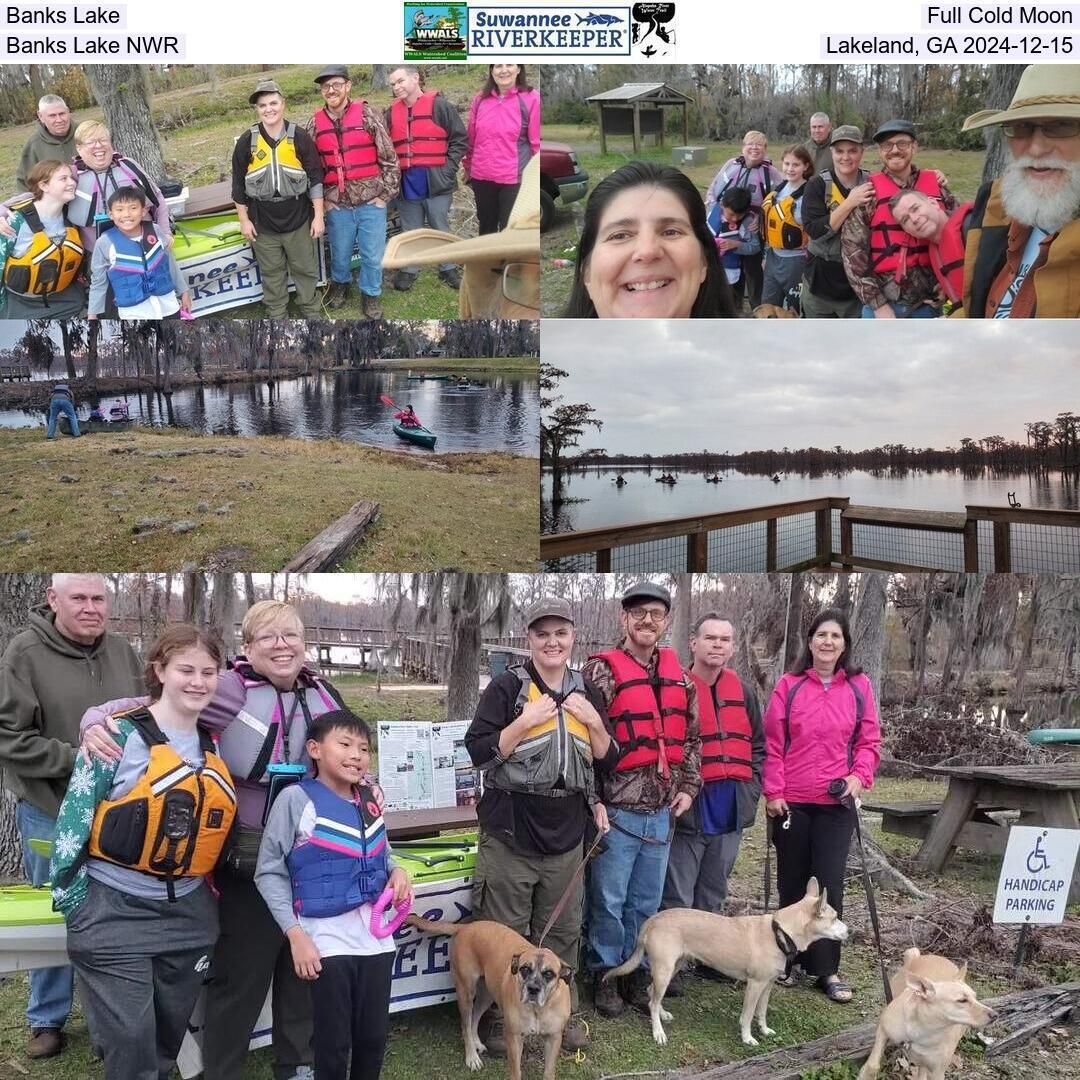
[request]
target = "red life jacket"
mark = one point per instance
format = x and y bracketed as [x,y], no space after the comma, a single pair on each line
[725,728]
[346,147]
[645,716]
[891,249]
[418,141]
[947,257]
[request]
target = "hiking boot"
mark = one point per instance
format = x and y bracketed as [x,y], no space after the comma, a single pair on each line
[635,989]
[44,1042]
[606,997]
[451,276]
[404,281]
[338,295]
[372,306]
[574,1036]
[491,1034]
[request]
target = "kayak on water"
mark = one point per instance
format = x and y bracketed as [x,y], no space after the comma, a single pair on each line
[419,435]
[430,378]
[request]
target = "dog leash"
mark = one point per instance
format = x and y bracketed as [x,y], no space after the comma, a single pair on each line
[871,902]
[557,910]
[770,827]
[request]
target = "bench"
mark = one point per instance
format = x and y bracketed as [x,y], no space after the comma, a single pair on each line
[983,832]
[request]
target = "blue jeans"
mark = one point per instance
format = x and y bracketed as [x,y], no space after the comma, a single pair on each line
[902,311]
[56,407]
[625,884]
[50,988]
[348,227]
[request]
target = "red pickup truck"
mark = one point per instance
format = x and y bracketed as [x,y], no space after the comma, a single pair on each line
[560,178]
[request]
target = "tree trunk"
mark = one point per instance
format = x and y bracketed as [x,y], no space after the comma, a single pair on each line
[18,594]
[1003,80]
[92,335]
[868,627]
[121,91]
[69,357]
[195,597]
[681,620]
[463,682]
[221,616]
[925,622]
[793,635]
[1023,661]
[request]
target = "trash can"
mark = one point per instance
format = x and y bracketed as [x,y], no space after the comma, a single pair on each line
[688,155]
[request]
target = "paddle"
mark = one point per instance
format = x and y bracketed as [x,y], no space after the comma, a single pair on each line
[386,399]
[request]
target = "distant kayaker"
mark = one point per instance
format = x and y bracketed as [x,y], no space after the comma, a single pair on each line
[407,417]
[430,141]
[277,188]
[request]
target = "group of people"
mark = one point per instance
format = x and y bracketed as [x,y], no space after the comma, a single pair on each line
[255,772]
[823,236]
[91,233]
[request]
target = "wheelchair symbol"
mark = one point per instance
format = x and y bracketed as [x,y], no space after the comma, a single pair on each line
[1036,860]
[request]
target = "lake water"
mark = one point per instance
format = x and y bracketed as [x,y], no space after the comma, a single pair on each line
[591,500]
[503,415]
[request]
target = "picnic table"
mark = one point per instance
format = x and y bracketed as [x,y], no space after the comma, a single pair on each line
[1043,795]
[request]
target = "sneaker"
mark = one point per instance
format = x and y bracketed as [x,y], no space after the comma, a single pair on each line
[372,306]
[303,1072]
[574,1036]
[491,1034]
[404,281]
[606,997]
[635,989]
[45,1042]
[338,296]
[452,277]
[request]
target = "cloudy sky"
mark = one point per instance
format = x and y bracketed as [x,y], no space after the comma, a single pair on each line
[666,386]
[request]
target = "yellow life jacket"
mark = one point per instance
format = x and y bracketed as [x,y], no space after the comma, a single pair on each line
[45,267]
[175,820]
[781,229]
[274,173]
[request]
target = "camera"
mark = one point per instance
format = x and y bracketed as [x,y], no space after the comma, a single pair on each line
[836,788]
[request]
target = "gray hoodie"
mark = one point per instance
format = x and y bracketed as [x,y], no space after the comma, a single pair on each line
[41,146]
[46,683]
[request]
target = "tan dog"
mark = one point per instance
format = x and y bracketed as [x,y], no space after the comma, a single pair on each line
[774,311]
[931,1009]
[746,948]
[489,963]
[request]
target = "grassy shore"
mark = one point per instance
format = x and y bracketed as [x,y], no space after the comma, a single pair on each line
[149,500]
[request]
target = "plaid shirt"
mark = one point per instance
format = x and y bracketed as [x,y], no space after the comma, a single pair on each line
[645,788]
[386,185]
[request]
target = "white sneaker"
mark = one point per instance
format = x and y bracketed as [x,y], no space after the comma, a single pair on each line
[303,1072]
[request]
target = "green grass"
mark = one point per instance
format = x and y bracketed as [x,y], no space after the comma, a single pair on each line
[963,168]
[283,492]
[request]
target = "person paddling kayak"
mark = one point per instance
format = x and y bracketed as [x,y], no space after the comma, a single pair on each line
[407,417]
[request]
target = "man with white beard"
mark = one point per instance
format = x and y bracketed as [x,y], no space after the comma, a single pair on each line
[1022,254]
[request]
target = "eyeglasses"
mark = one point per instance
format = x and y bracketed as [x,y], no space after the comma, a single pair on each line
[290,637]
[95,142]
[897,144]
[1052,129]
[335,86]
[640,614]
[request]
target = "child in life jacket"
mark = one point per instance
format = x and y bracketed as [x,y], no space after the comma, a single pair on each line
[135,839]
[323,862]
[407,417]
[132,259]
[739,242]
[785,239]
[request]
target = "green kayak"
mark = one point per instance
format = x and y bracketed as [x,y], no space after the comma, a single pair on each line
[419,435]
[207,235]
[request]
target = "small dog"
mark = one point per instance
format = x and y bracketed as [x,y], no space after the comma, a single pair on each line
[747,948]
[931,1009]
[774,311]
[489,963]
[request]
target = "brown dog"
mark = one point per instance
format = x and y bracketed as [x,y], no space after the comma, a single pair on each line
[489,963]
[931,1009]
[746,948]
[774,311]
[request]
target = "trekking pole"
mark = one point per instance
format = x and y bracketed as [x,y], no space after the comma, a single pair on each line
[768,844]
[871,901]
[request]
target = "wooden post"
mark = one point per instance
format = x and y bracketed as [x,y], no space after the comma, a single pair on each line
[1002,547]
[603,133]
[660,110]
[770,544]
[847,539]
[697,552]
[823,534]
[685,126]
[637,127]
[971,545]
[603,561]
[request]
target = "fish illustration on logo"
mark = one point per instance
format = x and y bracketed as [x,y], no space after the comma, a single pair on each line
[597,20]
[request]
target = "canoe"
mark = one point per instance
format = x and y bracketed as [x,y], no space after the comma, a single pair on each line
[430,378]
[419,435]
[97,425]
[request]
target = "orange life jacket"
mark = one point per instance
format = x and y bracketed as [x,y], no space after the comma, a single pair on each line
[418,141]
[725,728]
[891,249]
[346,146]
[649,718]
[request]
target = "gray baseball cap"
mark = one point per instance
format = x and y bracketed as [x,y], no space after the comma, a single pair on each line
[895,127]
[846,133]
[551,607]
[646,590]
[264,86]
[334,71]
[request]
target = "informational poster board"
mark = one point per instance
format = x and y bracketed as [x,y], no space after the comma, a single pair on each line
[423,766]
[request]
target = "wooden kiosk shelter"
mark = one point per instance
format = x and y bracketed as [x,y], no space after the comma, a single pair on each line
[638,109]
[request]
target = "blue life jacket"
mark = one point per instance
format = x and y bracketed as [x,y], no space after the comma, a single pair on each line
[346,862]
[142,267]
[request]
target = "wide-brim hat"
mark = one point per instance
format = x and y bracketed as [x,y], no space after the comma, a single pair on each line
[519,240]
[1044,90]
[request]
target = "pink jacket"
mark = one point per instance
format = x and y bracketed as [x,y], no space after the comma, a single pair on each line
[824,744]
[501,142]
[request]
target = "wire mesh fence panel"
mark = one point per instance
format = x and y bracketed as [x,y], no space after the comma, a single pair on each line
[668,554]
[1044,548]
[985,531]
[584,563]
[738,547]
[796,539]
[908,547]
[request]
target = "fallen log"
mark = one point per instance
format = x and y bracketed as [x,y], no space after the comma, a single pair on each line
[852,1044]
[326,551]
[1011,1042]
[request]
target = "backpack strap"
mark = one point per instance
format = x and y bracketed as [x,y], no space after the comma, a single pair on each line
[860,708]
[144,723]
